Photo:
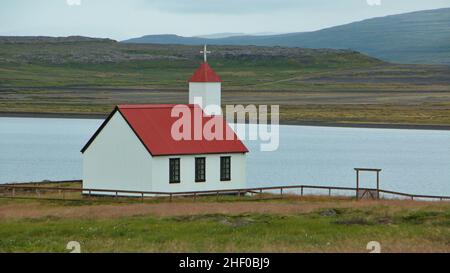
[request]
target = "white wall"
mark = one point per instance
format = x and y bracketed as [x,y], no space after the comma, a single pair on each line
[210,92]
[160,173]
[117,160]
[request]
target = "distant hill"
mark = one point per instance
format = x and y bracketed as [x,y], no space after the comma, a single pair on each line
[168,39]
[47,39]
[83,50]
[233,34]
[220,35]
[417,37]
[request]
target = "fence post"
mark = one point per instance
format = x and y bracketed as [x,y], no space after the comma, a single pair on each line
[142,197]
[302,191]
[329,192]
[378,185]
[281,193]
[357,185]
[170,197]
[13,192]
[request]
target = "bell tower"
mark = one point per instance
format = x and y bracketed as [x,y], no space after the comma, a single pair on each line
[206,85]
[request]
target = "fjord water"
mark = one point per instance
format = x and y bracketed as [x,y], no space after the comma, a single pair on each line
[36,149]
[413,161]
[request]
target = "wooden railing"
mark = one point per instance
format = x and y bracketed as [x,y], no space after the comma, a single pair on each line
[416,196]
[64,193]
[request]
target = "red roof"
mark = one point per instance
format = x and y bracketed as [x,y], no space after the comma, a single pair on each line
[205,74]
[152,124]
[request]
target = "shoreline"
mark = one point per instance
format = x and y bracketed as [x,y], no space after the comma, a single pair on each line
[290,123]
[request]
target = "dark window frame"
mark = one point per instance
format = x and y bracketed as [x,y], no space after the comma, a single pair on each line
[174,170]
[200,169]
[225,168]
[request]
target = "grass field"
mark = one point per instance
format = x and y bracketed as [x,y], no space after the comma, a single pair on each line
[310,224]
[309,85]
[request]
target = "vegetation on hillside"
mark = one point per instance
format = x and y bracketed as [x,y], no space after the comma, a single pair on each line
[88,76]
[108,63]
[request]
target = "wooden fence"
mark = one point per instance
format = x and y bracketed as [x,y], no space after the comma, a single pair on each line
[66,193]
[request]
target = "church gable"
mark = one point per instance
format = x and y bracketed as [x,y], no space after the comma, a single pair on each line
[115,132]
[152,126]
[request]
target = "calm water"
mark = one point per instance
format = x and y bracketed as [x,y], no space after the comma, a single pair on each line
[413,161]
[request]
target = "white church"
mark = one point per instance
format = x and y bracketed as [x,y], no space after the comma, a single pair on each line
[134,149]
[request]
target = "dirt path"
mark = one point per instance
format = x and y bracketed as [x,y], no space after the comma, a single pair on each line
[34,210]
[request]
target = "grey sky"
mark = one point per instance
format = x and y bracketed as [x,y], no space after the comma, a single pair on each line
[120,19]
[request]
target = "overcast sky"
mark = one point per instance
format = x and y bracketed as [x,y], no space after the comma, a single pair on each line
[122,19]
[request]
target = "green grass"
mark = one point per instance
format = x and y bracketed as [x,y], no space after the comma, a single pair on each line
[349,230]
[158,74]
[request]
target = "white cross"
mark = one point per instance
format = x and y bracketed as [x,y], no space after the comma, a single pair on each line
[205,52]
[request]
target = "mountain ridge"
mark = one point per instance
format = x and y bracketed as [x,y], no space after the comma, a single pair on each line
[421,37]
[51,39]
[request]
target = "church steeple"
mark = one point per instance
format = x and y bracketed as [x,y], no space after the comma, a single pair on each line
[206,85]
[205,74]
